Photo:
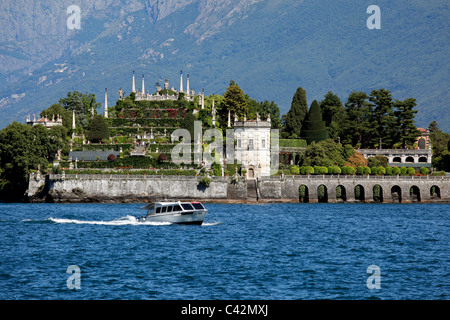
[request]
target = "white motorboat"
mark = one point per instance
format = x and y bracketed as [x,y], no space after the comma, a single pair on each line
[175,212]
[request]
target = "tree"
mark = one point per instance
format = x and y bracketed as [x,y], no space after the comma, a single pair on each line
[406,130]
[129,103]
[347,170]
[441,153]
[433,127]
[267,108]
[356,160]
[295,170]
[97,129]
[357,129]
[83,104]
[275,115]
[324,153]
[314,126]
[297,114]
[332,114]
[382,114]
[377,161]
[253,107]
[59,138]
[24,148]
[234,101]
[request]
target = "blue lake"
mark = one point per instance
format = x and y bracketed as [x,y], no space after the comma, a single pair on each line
[243,251]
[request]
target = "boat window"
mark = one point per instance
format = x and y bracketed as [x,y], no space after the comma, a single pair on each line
[169,209]
[197,205]
[164,209]
[187,206]
[158,210]
[177,208]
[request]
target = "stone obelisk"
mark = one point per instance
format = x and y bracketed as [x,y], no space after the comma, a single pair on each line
[106,103]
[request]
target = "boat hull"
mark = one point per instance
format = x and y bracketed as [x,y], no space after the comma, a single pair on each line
[195,218]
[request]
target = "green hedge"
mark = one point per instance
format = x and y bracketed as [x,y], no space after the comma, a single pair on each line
[145,122]
[292,143]
[346,170]
[169,172]
[126,162]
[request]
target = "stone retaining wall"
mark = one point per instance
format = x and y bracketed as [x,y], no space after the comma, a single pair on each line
[109,188]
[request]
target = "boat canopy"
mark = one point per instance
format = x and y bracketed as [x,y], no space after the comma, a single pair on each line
[198,205]
[185,205]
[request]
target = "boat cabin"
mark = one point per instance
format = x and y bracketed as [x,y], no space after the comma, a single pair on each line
[172,207]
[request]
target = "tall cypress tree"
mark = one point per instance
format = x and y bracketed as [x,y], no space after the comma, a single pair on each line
[297,114]
[407,131]
[314,127]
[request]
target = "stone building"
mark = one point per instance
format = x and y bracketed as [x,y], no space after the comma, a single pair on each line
[423,141]
[162,94]
[401,157]
[253,146]
[55,121]
[421,156]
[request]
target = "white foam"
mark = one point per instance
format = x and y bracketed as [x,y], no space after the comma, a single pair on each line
[128,220]
[207,224]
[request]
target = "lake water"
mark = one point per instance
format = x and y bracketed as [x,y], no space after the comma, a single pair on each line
[242,251]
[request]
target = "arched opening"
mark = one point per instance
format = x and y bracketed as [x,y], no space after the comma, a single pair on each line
[359,193]
[396,193]
[291,159]
[421,143]
[303,193]
[435,192]
[297,159]
[377,193]
[414,194]
[341,194]
[409,160]
[397,160]
[423,159]
[251,173]
[322,194]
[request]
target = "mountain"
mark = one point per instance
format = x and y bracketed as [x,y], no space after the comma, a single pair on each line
[269,47]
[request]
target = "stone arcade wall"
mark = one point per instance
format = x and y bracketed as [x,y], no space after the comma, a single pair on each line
[288,187]
[118,188]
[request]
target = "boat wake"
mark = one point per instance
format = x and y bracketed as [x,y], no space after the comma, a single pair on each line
[207,224]
[128,220]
